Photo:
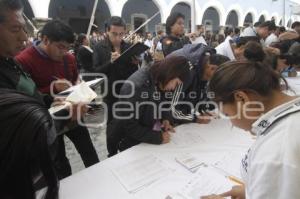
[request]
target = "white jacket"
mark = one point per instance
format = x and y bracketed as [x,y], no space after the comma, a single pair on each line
[271,169]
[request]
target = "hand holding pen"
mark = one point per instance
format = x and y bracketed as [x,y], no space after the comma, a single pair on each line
[166,127]
[61,84]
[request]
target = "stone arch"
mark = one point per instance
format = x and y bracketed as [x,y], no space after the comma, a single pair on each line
[78,14]
[218,7]
[161,5]
[253,13]
[210,21]
[134,14]
[249,19]
[184,8]
[232,19]
[265,15]
[238,10]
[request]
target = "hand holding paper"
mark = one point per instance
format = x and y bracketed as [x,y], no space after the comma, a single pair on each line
[237,192]
[83,94]
[206,182]
[78,110]
[61,85]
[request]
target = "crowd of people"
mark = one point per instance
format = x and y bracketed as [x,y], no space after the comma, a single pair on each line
[181,78]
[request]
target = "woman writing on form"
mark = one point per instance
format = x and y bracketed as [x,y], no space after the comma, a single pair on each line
[250,94]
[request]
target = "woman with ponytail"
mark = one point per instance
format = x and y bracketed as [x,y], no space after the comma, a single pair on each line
[248,92]
[25,161]
[271,57]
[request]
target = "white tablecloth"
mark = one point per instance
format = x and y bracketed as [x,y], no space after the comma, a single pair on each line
[99,182]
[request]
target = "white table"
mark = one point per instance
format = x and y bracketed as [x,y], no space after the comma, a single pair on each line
[98,181]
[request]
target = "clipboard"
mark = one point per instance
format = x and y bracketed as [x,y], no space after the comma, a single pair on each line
[133,50]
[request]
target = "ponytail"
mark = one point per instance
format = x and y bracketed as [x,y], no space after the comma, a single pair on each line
[250,75]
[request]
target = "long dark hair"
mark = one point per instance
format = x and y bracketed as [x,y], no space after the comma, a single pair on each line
[24,154]
[169,68]
[252,75]
[171,20]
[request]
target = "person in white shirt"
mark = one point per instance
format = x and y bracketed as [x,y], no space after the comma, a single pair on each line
[272,38]
[251,97]
[148,55]
[226,48]
[249,32]
[149,41]
[266,32]
[157,46]
[229,33]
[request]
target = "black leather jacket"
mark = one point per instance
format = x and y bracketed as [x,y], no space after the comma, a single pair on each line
[171,43]
[146,98]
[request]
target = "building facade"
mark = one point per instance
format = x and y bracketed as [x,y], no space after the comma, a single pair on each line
[211,13]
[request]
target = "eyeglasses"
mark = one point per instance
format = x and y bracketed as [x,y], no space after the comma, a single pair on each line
[115,34]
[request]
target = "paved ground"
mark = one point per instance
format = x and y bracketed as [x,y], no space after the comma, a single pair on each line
[99,140]
[98,137]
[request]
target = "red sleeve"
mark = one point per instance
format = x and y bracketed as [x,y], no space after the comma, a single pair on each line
[73,67]
[21,59]
[75,72]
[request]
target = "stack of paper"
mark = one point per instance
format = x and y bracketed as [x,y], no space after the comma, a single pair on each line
[190,162]
[139,173]
[206,182]
[186,136]
[166,188]
[230,164]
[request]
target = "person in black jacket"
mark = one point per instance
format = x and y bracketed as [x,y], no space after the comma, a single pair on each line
[27,130]
[84,55]
[12,75]
[140,115]
[203,63]
[175,38]
[105,53]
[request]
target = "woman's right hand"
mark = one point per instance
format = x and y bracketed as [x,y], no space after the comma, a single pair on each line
[237,192]
[166,137]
